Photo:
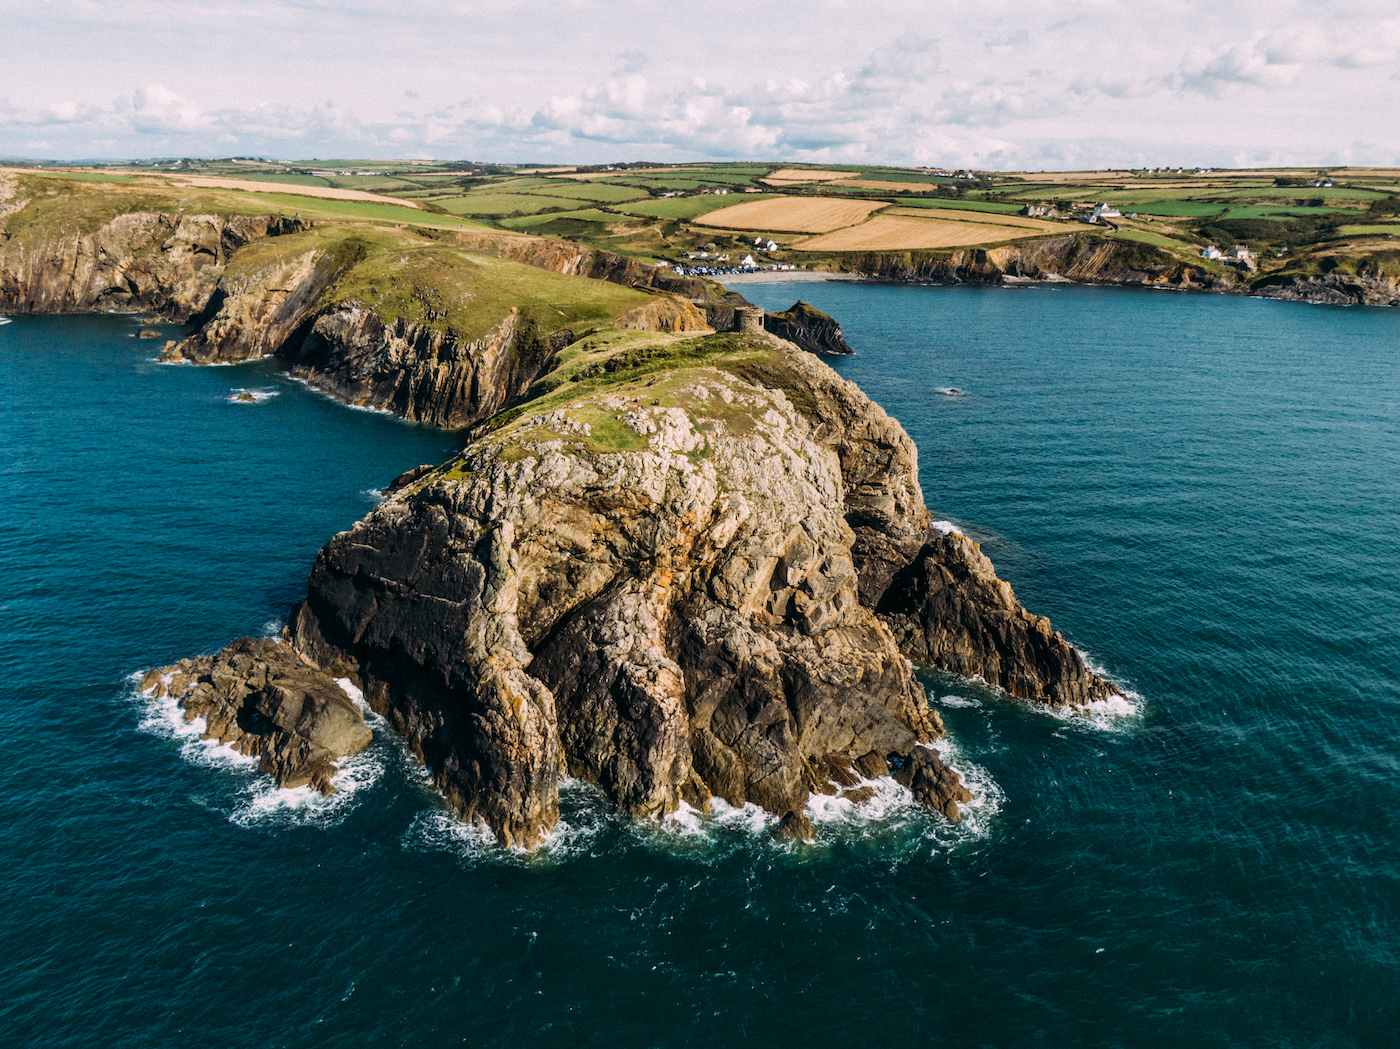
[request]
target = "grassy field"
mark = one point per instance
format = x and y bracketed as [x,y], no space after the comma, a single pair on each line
[502,203]
[793,214]
[582,215]
[686,207]
[1370,231]
[824,209]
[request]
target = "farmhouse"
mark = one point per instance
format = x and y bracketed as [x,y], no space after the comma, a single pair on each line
[1040,211]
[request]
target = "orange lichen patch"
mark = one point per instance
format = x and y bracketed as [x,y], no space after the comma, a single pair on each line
[793,214]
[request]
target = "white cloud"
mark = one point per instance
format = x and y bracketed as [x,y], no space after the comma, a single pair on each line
[1078,82]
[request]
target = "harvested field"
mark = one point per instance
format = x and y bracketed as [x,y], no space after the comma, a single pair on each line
[888,187]
[798,175]
[325,192]
[896,233]
[793,214]
[986,219]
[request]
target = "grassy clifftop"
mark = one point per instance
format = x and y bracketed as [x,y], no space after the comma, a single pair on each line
[413,276]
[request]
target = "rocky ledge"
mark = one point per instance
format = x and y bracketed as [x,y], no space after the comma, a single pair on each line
[685,568]
[260,698]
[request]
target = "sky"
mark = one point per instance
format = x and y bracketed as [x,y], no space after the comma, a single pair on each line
[991,85]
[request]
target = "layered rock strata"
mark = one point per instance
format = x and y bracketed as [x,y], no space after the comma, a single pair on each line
[260,698]
[808,327]
[150,261]
[668,587]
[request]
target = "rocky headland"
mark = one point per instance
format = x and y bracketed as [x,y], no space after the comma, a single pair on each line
[679,561]
[685,567]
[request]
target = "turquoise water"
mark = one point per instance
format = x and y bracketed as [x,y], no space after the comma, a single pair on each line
[1202,492]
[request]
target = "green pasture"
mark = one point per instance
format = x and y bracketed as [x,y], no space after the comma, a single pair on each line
[488,203]
[1391,230]
[528,222]
[689,207]
[957,204]
[604,193]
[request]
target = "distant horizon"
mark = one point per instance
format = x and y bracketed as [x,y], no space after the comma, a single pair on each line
[561,163]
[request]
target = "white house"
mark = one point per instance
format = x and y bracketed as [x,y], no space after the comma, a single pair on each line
[1212,252]
[1106,211]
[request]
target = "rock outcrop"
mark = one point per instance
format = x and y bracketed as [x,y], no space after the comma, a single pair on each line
[808,327]
[1340,289]
[260,698]
[1075,257]
[948,609]
[149,261]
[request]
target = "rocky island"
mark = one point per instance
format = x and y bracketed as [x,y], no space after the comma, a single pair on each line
[677,555]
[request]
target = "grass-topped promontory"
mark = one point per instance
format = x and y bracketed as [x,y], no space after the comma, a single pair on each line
[405,275]
[593,376]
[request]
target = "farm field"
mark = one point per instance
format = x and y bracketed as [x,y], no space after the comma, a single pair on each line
[685,207]
[502,203]
[251,186]
[793,214]
[895,233]
[796,175]
[951,215]
[885,186]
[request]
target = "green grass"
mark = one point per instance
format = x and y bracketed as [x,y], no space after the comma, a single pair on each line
[1392,230]
[502,203]
[1156,239]
[602,194]
[992,206]
[689,207]
[1177,209]
[584,215]
[400,275]
[1274,211]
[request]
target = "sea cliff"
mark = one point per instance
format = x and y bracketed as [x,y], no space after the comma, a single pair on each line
[680,563]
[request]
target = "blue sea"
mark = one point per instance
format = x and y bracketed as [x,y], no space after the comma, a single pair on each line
[1202,492]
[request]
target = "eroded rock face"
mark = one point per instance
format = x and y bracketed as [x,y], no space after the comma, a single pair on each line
[262,699]
[948,609]
[165,263]
[674,622]
[808,327]
[421,373]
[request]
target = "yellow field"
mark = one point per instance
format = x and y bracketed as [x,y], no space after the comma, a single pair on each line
[888,187]
[798,175]
[325,192]
[896,233]
[792,214]
[984,218]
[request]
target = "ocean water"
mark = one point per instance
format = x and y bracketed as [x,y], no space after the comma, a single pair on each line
[1202,492]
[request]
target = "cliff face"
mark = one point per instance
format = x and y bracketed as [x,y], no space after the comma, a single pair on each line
[1366,289]
[1089,259]
[1076,258]
[668,585]
[420,373]
[808,327]
[164,263]
[455,353]
[673,620]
